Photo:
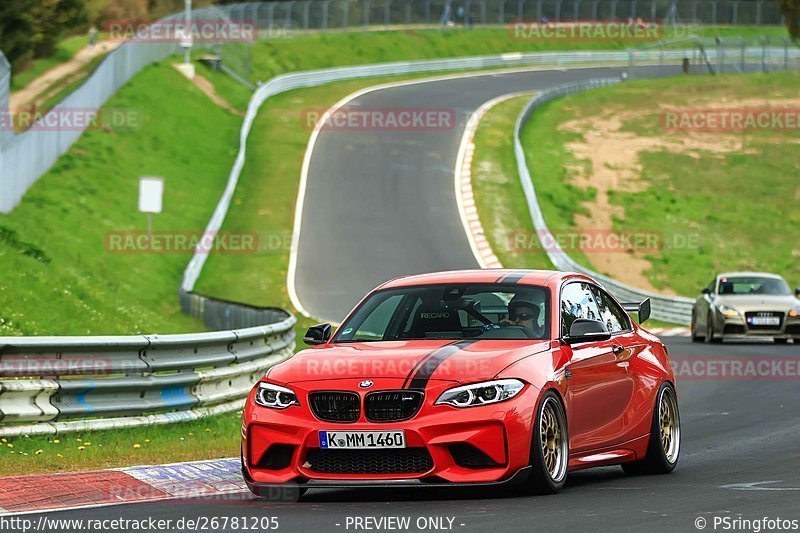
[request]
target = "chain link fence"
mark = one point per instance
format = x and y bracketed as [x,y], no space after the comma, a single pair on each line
[276,18]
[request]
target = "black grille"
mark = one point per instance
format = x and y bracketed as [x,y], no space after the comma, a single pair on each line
[335,406]
[751,315]
[793,329]
[392,461]
[387,406]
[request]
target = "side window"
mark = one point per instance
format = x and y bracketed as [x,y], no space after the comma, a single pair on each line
[577,301]
[613,316]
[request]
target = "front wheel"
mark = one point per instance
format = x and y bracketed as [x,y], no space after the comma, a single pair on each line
[710,336]
[664,446]
[695,336]
[549,448]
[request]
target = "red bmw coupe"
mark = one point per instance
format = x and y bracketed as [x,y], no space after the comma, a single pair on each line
[481,378]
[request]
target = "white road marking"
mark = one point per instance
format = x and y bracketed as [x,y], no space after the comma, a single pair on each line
[756,485]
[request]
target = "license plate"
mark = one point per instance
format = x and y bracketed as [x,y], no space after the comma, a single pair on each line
[765,321]
[361,440]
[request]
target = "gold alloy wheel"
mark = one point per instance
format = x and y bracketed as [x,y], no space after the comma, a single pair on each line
[669,424]
[553,440]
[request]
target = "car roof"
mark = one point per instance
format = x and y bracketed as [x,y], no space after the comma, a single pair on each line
[758,274]
[488,275]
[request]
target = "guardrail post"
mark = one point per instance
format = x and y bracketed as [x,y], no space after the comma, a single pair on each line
[744,52]
[408,12]
[764,41]
[713,11]
[365,13]
[720,56]
[387,7]
[306,8]
[345,14]
[325,5]
[630,63]
[428,12]
[483,12]
[735,13]
[501,12]
[759,5]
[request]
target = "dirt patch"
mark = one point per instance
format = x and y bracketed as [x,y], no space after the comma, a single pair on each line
[208,89]
[35,93]
[613,158]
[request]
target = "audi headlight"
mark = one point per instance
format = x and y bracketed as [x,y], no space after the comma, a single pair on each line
[794,313]
[727,310]
[275,397]
[481,393]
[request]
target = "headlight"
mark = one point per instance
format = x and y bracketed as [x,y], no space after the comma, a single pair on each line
[481,393]
[269,395]
[794,313]
[727,310]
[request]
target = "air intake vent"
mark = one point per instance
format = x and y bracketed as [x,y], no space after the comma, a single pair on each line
[392,461]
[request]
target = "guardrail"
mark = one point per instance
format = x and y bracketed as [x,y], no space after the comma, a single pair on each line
[676,310]
[136,380]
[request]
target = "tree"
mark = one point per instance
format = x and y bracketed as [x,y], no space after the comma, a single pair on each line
[15,32]
[791,14]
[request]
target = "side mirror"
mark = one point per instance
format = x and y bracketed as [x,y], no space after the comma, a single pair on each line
[706,290]
[642,309]
[319,334]
[586,330]
[797,292]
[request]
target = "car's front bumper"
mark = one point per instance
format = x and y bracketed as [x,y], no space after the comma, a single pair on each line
[736,327]
[501,432]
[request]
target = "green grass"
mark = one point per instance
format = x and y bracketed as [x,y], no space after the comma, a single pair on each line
[65,50]
[740,206]
[305,52]
[498,192]
[59,278]
[210,438]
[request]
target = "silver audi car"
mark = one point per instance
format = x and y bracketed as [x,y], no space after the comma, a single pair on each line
[747,304]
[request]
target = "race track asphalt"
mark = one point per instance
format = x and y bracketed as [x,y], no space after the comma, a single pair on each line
[381,204]
[736,432]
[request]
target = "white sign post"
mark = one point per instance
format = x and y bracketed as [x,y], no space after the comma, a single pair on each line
[151,195]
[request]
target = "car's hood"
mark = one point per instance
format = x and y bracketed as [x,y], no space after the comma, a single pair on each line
[462,361]
[758,302]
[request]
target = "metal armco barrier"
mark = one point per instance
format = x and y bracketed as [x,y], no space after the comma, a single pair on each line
[145,378]
[676,310]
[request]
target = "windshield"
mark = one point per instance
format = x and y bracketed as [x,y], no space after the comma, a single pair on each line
[753,285]
[461,311]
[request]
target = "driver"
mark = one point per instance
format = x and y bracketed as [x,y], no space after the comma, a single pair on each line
[523,314]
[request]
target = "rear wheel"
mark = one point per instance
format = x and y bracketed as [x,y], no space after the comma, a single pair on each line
[549,448]
[664,446]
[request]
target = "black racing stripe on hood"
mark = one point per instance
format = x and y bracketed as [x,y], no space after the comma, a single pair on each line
[424,373]
[422,361]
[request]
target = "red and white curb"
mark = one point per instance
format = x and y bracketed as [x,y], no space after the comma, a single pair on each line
[670,332]
[70,490]
[467,209]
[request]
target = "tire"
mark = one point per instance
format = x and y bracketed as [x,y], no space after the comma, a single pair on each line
[549,457]
[710,337]
[781,341]
[695,336]
[663,450]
